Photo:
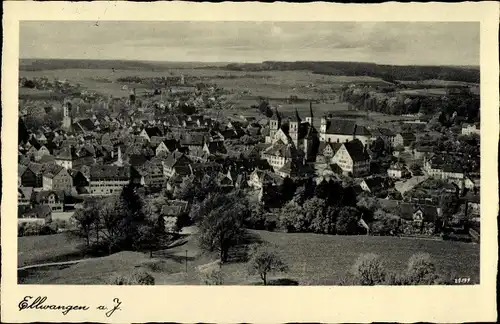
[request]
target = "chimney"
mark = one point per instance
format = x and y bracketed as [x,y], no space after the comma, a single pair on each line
[354,131]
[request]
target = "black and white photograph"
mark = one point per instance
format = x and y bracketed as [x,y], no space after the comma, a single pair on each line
[249,162]
[249,153]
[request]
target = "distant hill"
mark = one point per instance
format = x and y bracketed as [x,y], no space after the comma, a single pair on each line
[58,64]
[389,73]
[386,72]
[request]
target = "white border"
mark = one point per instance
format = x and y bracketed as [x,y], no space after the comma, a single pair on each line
[259,304]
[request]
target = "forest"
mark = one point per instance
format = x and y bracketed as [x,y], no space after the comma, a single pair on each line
[389,73]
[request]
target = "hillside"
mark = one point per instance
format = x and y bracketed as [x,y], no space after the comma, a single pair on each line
[59,64]
[386,72]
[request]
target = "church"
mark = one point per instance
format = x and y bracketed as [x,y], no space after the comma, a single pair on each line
[292,144]
[297,143]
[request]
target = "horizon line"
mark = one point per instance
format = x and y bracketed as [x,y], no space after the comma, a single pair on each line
[242,62]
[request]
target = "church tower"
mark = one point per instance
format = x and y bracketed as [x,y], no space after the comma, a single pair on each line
[310,118]
[275,123]
[67,117]
[294,128]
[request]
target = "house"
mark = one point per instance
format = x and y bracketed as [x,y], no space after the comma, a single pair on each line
[66,157]
[24,195]
[51,198]
[404,139]
[214,148]
[149,132]
[422,152]
[42,151]
[326,151]
[40,214]
[473,206]
[398,171]
[343,130]
[55,177]
[384,134]
[471,129]
[166,146]
[192,141]
[150,174]
[31,175]
[79,180]
[83,126]
[260,178]
[419,219]
[452,172]
[176,163]
[279,154]
[108,179]
[353,158]
[375,184]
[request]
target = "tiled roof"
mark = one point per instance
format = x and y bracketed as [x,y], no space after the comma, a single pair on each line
[282,150]
[41,196]
[173,157]
[346,127]
[109,172]
[356,150]
[51,170]
[430,213]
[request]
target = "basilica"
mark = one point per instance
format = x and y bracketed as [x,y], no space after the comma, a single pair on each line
[294,145]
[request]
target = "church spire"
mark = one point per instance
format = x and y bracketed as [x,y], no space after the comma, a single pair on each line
[297,117]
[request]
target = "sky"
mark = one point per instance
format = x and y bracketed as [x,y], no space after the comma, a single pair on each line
[398,43]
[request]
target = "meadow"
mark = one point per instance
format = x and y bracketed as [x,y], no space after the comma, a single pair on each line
[313,259]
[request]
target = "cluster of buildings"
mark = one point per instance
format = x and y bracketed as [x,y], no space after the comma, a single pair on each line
[96,156]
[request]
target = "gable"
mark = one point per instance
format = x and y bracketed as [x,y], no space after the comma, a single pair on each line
[342,153]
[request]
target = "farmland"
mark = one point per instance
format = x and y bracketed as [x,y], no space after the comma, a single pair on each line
[313,259]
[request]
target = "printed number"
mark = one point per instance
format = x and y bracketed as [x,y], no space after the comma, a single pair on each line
[462,280]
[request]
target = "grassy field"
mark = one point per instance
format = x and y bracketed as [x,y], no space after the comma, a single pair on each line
[313,260]
[47,248]
[275,84]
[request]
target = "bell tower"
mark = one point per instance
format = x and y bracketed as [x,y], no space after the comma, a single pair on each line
[67,116]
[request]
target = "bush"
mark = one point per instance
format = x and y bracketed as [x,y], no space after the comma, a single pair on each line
[421,270]
[139,277]
[368,270]
[211,274]
[30,229]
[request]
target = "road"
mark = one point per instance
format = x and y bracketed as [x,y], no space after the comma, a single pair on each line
[404,186]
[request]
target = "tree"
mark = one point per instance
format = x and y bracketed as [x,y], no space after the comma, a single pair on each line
[300,195]
[421,270]
[367,205]
[290,217]
[368,270]
[222,227]
[378,148]
[325,222]
[314,209]
[347,221]
[186,190]
[85,220]
[416,169]
[265,260]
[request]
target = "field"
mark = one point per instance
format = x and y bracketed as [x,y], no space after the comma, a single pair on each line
[274,85]
[313,260]
[47,248]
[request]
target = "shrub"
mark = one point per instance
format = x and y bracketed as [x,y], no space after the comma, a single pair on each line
[138,277]
[368,270]
[141,277]
[211,274]
[421,270]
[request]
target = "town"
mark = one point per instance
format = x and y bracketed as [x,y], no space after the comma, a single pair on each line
[313,171]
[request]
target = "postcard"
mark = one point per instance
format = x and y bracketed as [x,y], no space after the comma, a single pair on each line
[249,162]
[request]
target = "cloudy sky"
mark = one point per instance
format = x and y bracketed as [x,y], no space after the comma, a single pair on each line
[387,43]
